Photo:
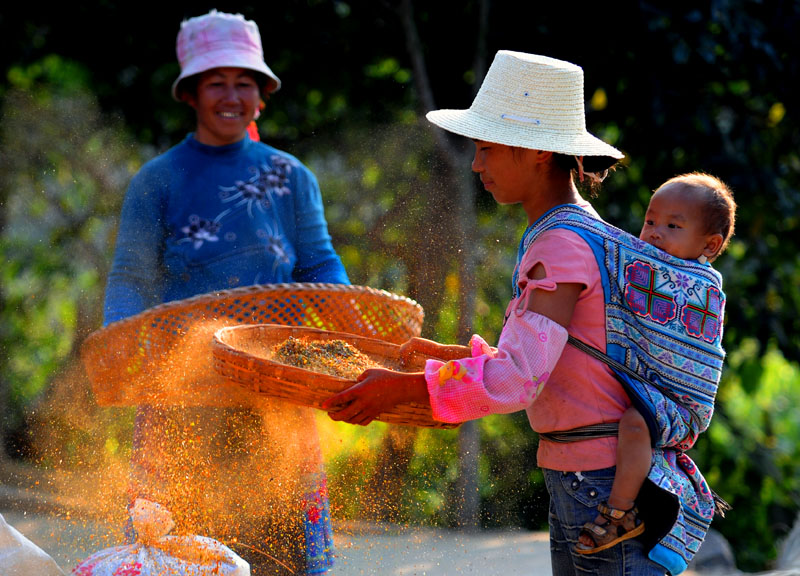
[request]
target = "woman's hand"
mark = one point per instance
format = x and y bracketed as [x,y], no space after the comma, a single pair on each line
[430,349]
[377,391]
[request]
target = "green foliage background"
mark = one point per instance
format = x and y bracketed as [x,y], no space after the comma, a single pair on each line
[678,87]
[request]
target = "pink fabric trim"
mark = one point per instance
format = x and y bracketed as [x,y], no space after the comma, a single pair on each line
[497,380]
[528,285]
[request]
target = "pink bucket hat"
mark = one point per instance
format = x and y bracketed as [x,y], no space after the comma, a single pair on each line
[217,40]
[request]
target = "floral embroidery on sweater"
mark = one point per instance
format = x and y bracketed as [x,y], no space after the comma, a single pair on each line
[256,192]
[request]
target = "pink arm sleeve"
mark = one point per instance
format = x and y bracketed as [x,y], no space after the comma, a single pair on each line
[502,380]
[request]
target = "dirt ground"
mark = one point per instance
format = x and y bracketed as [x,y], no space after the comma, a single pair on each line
[361,550]
[55,524]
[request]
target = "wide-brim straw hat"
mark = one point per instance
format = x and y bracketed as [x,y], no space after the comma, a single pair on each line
[528,101]
[221,40]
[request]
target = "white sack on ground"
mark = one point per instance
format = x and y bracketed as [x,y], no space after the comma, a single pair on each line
[21,557]
[155,553]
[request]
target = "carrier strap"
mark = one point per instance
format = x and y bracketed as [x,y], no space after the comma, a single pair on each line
[622,368]
[590,432]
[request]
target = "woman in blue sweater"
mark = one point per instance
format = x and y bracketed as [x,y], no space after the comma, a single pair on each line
[218,211]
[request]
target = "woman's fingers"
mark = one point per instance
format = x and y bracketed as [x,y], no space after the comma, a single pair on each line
[348,413]
[352,413]
[338,401]
[415,347]
[431,349]
[347,396]
[349,406]
[408,349]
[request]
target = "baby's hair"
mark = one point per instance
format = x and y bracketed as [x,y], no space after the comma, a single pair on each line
[719,210]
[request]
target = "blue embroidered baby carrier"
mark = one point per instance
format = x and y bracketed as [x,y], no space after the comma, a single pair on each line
[663,341]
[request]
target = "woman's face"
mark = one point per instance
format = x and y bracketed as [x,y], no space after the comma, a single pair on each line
[507,173]
[226,102]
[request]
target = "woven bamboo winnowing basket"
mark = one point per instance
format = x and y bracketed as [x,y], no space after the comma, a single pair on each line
[243,354]
[163,355]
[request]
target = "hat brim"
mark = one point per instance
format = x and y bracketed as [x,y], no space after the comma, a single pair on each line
[227,59]
[513,132]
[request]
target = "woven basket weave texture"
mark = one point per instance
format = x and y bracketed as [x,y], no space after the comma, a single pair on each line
[163,355]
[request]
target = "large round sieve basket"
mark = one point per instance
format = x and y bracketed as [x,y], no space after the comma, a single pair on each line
[163,355]
[245,354]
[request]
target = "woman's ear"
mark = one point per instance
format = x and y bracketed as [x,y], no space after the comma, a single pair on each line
[543,156]
[713,246]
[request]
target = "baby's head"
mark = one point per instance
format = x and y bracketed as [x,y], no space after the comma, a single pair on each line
[690,216]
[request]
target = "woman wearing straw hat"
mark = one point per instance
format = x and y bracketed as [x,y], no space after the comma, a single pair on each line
[218,211]
[527,123]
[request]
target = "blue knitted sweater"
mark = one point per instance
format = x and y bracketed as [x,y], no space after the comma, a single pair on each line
[200,218]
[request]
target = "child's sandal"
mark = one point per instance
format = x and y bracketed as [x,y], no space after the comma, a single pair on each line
[620,525]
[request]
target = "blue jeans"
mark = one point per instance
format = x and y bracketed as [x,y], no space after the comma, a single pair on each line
[573,502]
